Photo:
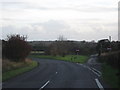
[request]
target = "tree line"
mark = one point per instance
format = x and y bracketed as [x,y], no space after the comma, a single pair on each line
[17,48]
[63,47]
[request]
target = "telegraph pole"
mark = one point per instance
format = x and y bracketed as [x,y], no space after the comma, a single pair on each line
[110,38]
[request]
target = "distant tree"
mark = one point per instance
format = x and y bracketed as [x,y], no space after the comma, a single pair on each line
[59,47]
[16,47]
[62,38]
[64,47]
[87,48]
[3,48]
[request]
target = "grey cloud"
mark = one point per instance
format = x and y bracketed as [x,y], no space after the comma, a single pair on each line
[8,30]
[81,8]
[50,30]
[11,3]
[14,5]
[53,28]
[51,25]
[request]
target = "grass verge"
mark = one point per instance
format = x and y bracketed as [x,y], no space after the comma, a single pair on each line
[12,73]
[110,76]
[71,58]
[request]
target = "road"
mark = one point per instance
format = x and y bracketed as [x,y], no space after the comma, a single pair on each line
[56,74]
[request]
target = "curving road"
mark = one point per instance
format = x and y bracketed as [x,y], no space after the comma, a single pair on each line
[55,74]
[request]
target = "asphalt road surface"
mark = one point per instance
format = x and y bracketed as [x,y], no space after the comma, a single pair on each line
[56,74]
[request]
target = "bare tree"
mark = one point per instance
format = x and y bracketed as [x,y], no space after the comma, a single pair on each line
[59,47]
[62,38]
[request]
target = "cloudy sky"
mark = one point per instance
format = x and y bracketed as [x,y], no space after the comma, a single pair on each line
[47,19]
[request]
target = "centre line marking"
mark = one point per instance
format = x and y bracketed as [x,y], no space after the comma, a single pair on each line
[44,85]
[99,84]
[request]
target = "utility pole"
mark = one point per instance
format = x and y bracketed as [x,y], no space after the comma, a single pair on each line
[110,38]
[110,43]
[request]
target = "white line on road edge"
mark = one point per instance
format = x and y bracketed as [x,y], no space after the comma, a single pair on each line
[96,73]
[99,84]
[44,85]
[79,64]
[96,70]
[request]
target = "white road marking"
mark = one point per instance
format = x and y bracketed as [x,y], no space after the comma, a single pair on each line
[44,85]
[79,64]
[99,84]
[96,73]
[96,70]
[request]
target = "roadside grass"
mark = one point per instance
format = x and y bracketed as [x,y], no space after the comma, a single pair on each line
[70,58]
[109,75]
[17,68]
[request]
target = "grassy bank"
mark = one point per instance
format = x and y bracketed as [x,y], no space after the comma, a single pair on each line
[110,68]
[13,69]
[110,75]
[71,58]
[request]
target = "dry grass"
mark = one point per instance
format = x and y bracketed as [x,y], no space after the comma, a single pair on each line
[10,65]
[110,53]
[12,69]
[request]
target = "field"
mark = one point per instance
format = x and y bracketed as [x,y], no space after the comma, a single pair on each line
[70,58]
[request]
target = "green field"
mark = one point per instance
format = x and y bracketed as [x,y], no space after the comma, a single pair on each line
[109,75]
[12,73]
[71,58]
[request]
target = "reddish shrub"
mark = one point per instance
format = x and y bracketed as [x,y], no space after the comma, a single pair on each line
[16,48]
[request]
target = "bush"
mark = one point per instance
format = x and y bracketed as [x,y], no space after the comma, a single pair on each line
[112,59]
[16,48]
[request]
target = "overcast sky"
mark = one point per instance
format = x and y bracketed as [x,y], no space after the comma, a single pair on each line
[47,19]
